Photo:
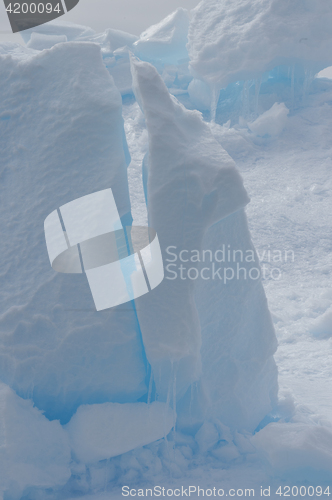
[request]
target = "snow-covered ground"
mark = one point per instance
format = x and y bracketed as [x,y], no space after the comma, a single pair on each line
[289,181]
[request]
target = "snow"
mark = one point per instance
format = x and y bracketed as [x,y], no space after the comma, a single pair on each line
[200,94]
[230,41]
[297,444]
[99,432]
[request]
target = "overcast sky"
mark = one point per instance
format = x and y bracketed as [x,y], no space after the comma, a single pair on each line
[133,16]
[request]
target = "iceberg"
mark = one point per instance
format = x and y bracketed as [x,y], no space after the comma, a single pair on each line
[118,66]
[165,42]
[190,173]
[63,139]
[111,40]
[230,41]
[115,45]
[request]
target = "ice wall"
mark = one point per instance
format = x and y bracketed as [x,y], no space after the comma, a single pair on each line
[192,184]
[62,137]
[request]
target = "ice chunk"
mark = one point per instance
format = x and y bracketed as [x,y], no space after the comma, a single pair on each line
[271,122]
[325,73]
[230,41]
[290,446]
[190,173]
[192,183]
[165,41]
[111,40]
[38,41]
[98,432]
[115,39]
[207,437]
[226,453]
[33,451]
[115,46]
[64,139]
[322,326]
[238,145]
[119,67]
[200,94]
[59,28]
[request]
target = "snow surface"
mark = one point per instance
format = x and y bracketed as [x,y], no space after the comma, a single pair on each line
[63,137]
[39,41]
